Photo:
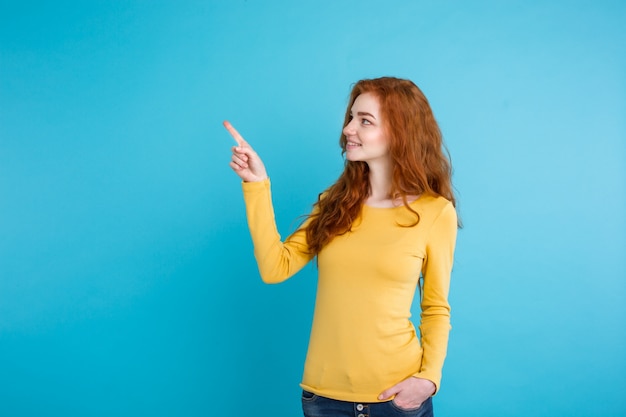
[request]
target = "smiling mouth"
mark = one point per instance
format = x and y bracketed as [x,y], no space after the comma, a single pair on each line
[352,144]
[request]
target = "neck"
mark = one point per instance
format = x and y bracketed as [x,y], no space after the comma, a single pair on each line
[380,184]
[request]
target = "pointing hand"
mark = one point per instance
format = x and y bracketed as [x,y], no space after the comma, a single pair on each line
[245,161]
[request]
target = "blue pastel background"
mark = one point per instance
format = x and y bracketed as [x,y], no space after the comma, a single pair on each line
[127,281]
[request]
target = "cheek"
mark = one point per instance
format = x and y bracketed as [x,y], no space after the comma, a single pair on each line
[381,140]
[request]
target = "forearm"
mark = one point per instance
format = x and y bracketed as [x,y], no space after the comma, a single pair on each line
[276,260]
[434,330]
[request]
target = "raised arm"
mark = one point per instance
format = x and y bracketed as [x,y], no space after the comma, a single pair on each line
[276,260]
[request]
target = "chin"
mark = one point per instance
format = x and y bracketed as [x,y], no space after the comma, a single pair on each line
[352,157]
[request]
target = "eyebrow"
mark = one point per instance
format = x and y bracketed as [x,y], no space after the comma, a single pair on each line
[363,113]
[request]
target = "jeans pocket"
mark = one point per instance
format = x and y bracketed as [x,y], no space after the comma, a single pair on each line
[308,396]
[424,410]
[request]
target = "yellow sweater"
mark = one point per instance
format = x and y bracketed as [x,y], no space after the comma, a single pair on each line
[362,340]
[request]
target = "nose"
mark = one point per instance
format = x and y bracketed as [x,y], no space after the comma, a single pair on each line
[349,129]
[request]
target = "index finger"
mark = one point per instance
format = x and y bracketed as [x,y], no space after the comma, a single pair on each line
[233,132]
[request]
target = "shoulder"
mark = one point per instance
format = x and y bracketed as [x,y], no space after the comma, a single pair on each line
[433,205]
[436,211]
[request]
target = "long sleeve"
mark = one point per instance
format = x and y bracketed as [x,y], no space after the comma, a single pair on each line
[435,318]
[276,260]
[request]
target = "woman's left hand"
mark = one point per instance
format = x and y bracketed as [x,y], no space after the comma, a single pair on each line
[410,393]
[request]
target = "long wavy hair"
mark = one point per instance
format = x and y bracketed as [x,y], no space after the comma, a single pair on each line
[420,160]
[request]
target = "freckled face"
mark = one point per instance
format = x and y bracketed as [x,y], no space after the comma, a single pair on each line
[366,138]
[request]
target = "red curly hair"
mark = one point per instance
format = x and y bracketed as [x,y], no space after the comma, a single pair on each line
[419,158]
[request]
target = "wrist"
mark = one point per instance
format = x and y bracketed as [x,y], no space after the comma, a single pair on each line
[427,385]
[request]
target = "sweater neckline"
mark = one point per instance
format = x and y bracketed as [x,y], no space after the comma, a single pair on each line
[412,203]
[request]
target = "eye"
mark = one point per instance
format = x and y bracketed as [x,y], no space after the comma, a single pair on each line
[365,122]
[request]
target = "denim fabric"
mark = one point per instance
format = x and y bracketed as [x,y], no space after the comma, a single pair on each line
[317,406]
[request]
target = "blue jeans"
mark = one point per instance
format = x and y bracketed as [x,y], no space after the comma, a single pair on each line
[317,406]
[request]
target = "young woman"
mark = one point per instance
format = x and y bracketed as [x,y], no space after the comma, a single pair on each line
[384,231]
